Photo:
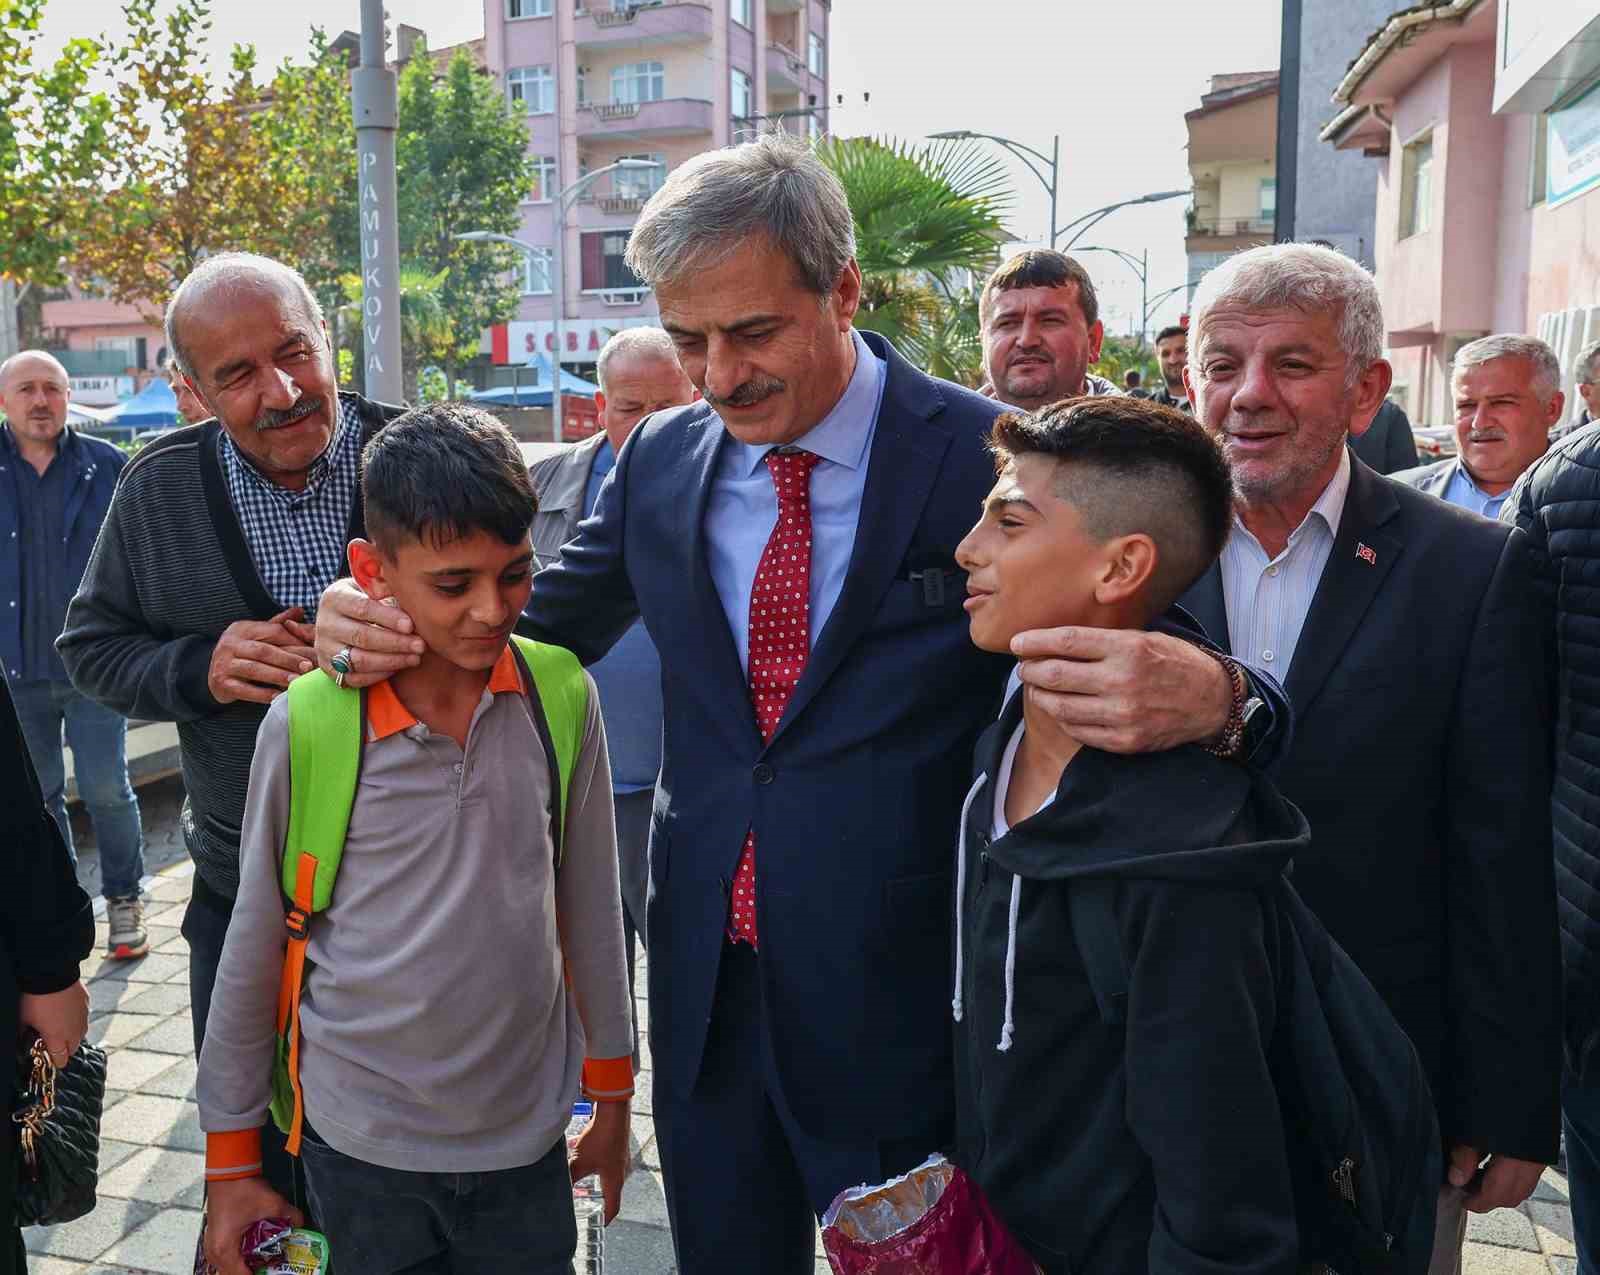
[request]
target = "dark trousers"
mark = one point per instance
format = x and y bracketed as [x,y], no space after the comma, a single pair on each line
[205,926]
[744,1183]
[1580,1121]
[388,1221]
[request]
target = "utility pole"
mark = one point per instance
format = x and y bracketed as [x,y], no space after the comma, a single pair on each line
[377,116]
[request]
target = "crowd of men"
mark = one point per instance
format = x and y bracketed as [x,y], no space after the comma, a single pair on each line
[1404,650]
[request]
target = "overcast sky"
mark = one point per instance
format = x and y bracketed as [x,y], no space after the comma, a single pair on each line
[1113,77]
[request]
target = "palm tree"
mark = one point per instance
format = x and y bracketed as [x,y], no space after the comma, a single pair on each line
[929,218]
[424,323]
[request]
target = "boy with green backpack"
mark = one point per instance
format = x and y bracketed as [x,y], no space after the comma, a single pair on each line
[426,960]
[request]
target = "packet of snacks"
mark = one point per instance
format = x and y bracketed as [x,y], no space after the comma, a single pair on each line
[931,1221]
[273,1247]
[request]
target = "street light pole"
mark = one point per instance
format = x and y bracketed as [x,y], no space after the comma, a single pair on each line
[1052,183]
[1089,219]
[377,115]
[558,281]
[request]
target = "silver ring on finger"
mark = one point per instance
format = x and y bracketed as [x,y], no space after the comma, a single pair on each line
[343,662]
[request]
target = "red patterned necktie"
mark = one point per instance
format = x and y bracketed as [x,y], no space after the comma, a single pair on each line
[780,640]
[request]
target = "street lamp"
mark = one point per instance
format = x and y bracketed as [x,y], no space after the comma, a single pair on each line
[1140,266]
[558,281]
[1053,160]
[1090,218]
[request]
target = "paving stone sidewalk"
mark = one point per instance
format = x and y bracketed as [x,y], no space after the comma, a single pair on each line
[151,1150]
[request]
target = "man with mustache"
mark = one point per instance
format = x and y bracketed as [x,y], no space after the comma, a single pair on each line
[55,488]
[1508,394]
[789,545]
[1040,321]
[198,603]
[1414,654]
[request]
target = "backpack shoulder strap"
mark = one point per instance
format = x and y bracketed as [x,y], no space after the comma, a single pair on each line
[1094,926]
[325,726]
[560,704]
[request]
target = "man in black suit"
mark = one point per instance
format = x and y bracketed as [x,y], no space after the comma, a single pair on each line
[789,544]
[1387,445]
[1407,638]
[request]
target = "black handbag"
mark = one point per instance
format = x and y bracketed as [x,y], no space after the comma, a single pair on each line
[57,1114]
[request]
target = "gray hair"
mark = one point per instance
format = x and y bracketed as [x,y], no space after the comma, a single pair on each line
[1587,368]
[774,187]
[1296,276]
[227,272]
[637,343]
[1510,345]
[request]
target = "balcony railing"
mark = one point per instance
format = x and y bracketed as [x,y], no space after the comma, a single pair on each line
[619,296]
[622,203]
[669,116]
[1201,226]
[652,22]
[612,110]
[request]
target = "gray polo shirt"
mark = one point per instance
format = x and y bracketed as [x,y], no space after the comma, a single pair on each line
[439,1034]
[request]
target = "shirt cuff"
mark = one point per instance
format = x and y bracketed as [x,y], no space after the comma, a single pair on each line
[233,1155]
[608,1079]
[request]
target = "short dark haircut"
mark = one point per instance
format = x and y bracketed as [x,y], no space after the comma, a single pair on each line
[442,472]
[1133,376]
[1177,329]
[1131,465]
[1043,268]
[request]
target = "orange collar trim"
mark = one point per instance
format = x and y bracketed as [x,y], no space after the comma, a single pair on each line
[386,715]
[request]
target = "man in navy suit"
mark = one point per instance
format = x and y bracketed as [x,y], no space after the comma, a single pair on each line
[789,543]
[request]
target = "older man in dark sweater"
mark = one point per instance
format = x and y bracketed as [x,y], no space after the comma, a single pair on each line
[197,603]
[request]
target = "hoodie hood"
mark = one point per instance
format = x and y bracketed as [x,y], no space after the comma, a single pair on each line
[1179,815]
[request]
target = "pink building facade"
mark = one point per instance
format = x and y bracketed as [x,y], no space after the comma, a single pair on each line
[656,82]
[110,350]
[1482,116]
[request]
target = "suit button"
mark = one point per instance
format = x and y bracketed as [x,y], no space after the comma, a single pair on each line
[763,773]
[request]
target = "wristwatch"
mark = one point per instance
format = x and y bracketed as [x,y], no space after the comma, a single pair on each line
[1246,707]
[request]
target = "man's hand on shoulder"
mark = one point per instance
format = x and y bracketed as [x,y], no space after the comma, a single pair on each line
[254,660]
[1125,690]
[380,637]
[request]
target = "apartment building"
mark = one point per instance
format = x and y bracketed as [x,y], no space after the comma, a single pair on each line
[1233,149]
[1481,119]
[659,82]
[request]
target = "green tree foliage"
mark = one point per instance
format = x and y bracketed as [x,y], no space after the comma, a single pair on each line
[52,141]
[187,174]
[463,165]
[1119,354]
[424,321]
[310,155]
[928,218]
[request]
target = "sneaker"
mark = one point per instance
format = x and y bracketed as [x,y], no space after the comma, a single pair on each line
[128,939]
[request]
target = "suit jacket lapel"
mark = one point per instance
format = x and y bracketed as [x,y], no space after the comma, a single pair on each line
[1205,602]
[907,451]
[702,445]
[1363,554]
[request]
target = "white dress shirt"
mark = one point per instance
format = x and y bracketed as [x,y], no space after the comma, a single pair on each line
[1267,598]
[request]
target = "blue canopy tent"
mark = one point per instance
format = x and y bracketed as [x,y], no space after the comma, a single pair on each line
[535,391]
[153,407]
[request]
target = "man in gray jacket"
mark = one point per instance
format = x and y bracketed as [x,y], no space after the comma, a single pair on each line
[639,373]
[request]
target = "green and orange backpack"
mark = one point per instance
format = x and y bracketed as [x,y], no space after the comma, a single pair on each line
[327,731]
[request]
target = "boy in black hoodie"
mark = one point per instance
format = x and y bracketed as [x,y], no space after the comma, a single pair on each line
[1156,1144]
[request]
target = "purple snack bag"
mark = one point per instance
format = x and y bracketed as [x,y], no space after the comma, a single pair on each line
[931,1221]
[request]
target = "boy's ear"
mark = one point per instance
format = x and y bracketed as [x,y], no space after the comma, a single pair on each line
[366,566]
[1130,561]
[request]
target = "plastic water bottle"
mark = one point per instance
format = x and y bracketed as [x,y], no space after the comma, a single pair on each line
[588,1204]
